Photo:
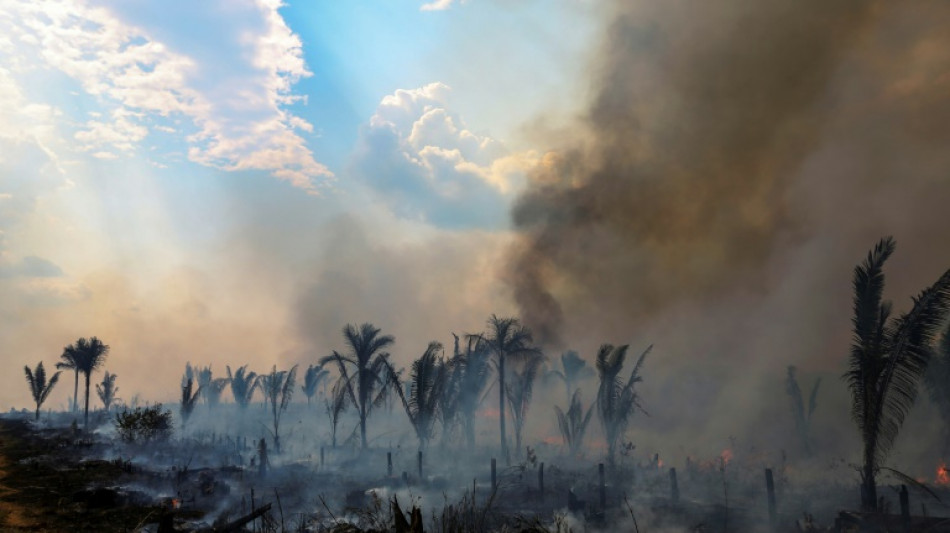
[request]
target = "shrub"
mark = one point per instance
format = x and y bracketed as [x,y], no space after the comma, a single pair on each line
[144,424]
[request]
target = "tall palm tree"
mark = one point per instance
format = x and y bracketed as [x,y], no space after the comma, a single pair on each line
[39,387]
[278,388]
[107,390]
[617,400]
[243,384]
[519,391]
[573,369]
[475,368]
[311,380]
[426,383]
[68,362]
[506,337]
[888,358]
[89,355]
[573,424]
[370,376]
[937,379]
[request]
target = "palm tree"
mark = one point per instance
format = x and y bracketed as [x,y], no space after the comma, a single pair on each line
[506,338]
[427,381]
[573,369]
[88,355]
[107,390]
[312,379]
[888,358]
[617,400]
[243,384]
[39,387]
[475,367]
[519,390]
[189,395]
[802,419]
[573,424]
[68,362]
[372,375]
[335,405]
[937,379]
[278,388]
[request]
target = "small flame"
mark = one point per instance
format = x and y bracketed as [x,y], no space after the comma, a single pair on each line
[943,475]
[659,463]
[726,456]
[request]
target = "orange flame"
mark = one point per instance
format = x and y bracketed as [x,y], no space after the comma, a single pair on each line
[943,475]
[726,456]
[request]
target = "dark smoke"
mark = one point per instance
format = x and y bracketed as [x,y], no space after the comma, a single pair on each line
[702,113]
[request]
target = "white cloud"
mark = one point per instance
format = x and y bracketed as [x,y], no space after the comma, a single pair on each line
[436,5]
[428,166]
[134,77]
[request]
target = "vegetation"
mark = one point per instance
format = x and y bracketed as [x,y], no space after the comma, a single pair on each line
[617,400]
[189,395]
[39,386]
[68,362]
[211,387]
[335,405]
[426,384]
[278,388]
[888,358]
[243,384]
[144,424]
[937,379]
[506,337]
[802,418]
[87,355]
[573,370]
[474,367]
[107,390]
[519,391]
[573,424]
[365,373]
[315,375]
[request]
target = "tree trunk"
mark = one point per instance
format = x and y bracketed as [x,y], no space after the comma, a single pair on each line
[37,412]
[363,429]
[76,391]
[87,402]
[868,489]
[501,407]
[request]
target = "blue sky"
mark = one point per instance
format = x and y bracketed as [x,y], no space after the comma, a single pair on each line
[172,169]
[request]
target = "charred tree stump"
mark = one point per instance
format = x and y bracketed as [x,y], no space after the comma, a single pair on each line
[541,481]
[494,479]
[420,466]
[905,508]
[389,464]
[321,457]
[770,488]
[674,488]
[603,486]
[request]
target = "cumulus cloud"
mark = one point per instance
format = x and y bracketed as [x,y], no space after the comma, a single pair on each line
[436,5]
[423,161]
[135,76]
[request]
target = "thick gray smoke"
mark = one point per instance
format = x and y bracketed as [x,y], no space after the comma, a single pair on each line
[736,159]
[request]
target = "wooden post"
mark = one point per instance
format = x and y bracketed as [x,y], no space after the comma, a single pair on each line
[494,480]
[674,488]
[405,477]
[321,457]
[905,508]
[420,466]
[541,480]
[770,488]
[389,464]
[603,487]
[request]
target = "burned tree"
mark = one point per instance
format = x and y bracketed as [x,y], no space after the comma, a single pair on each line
[474,366]
[68,362]
[88,355]
[426,383]
[519,391]
[107,390]
[315,375]
[617,400]
[573,424]
[888,358]
[802,418]
[573,370]
[334,406]
[211,387]
[506,337]
[39,386]
[372,374]
[278,388]
[189,395]
[243,384]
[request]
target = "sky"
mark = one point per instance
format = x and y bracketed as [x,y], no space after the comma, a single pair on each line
[231,182]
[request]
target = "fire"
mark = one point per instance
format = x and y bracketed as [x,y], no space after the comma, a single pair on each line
[659,463]
[726,456]
[943,475]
